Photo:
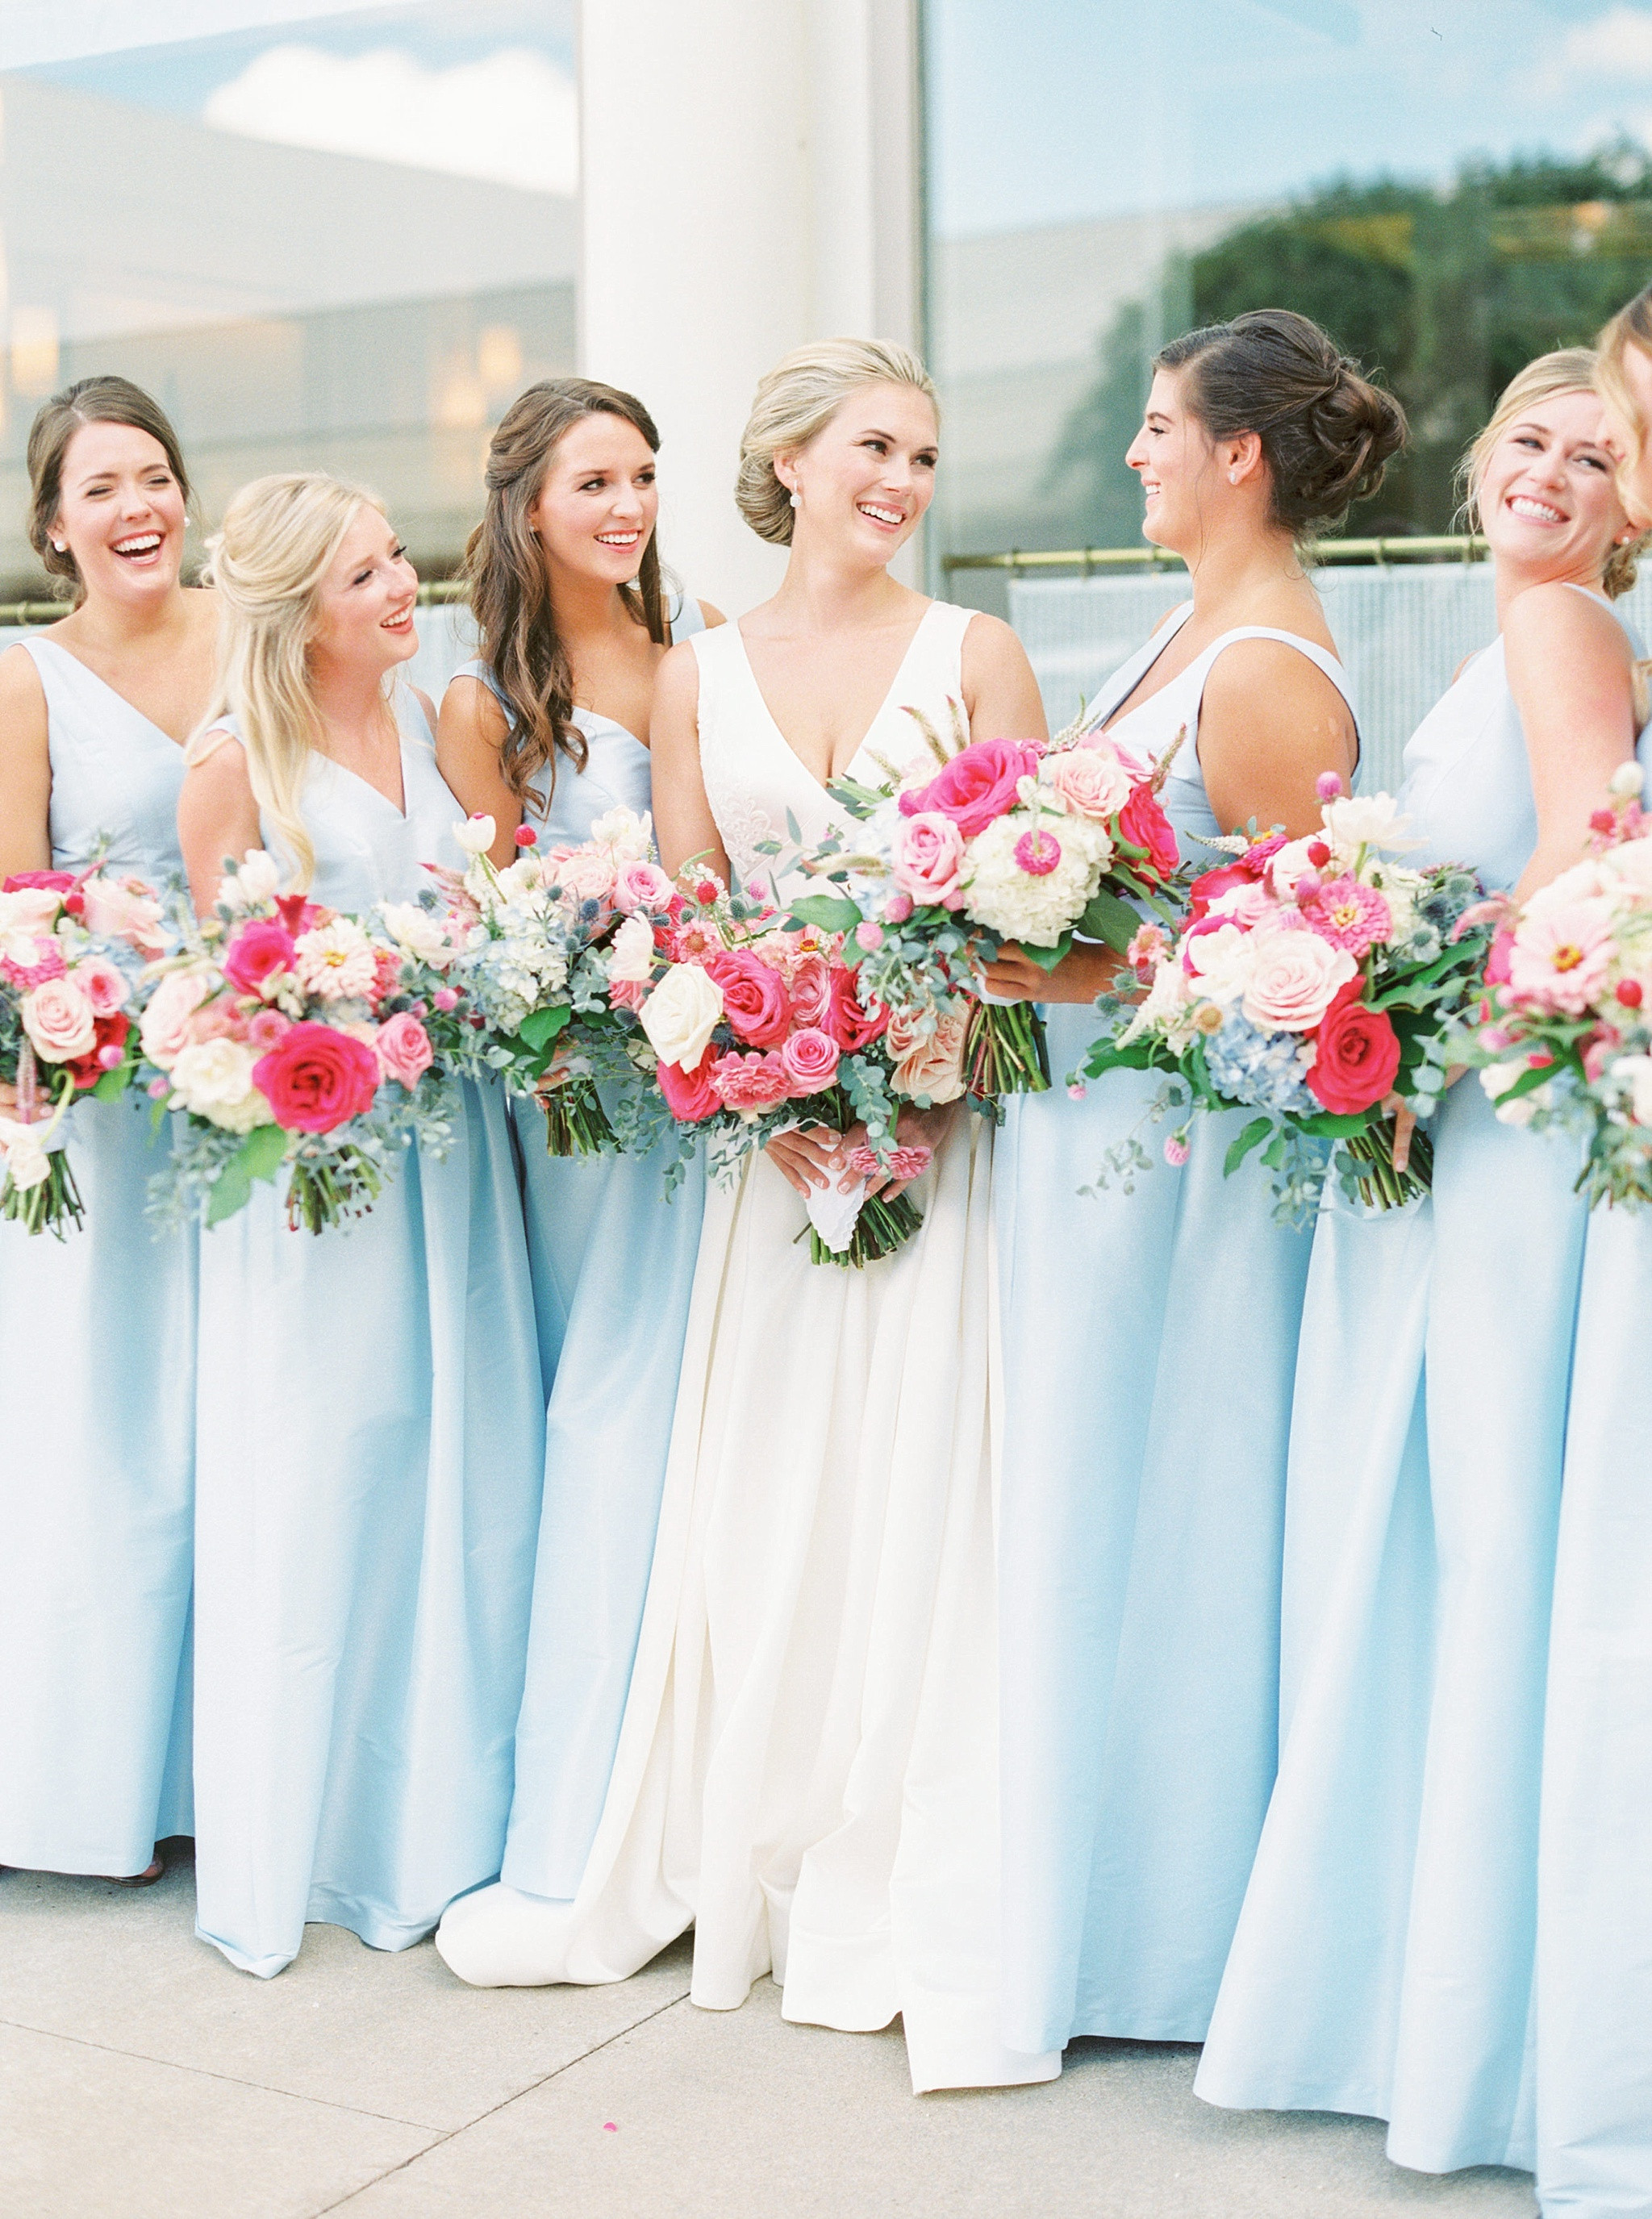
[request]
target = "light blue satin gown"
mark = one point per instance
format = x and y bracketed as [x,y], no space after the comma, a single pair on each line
[1149,1343]
[96,1362]
[1383,1963]
[614,1266]
[370,1456]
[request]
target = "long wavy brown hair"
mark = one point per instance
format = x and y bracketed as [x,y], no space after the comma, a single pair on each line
[510,585]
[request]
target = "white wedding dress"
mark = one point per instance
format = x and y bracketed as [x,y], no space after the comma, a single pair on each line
[808,1767]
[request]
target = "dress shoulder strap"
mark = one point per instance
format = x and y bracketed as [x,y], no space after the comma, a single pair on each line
[1320,657]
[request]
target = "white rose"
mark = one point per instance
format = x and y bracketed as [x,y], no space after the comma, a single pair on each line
[1294,979]
[23,1159]
[214,1078]
[682,1014]
[476,834]
[30,912]
[628,837]
[419,932]
[632,955]
[1220,963]
[256,881]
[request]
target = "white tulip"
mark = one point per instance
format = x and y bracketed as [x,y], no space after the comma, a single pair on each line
[476,834]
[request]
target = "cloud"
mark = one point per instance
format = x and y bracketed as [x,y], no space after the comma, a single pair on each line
[1617,44]
[513,116]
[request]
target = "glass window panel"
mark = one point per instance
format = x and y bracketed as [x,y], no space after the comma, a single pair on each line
[324,239]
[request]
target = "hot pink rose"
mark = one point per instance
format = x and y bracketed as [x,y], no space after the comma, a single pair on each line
[103,983]
[58,882]
[1356,1055]
[851,1022]
[107,1053]
[258,955]
[317,1079]
[810,1057]
[689,1096]
[928,855]
[811,988]
[1497,957]
[59,1020]
[751,1082]
[641,885]
[754,999]
[165,1030]
[1143,823]
[403,1049]
[979,785]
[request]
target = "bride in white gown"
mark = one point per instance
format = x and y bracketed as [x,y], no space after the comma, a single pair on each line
[807,1771]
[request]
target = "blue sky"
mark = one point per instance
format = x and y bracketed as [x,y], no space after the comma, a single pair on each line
[1043,110]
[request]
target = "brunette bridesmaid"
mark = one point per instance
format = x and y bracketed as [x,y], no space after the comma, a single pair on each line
[97,1330]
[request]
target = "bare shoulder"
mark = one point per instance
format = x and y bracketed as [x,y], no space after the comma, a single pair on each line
[1554,618]
[710,615]
[1165,618]
[215,767]
[676,687]
[470,705]
[989,645]
[21,689]
[1254,670]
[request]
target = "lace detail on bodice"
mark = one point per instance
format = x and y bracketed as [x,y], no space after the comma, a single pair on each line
[741,817]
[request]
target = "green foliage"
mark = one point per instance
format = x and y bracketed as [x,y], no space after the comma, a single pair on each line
[260,1156]
[1444,295]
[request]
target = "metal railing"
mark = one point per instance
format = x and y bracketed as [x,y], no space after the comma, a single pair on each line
[1444,547]
[435,594]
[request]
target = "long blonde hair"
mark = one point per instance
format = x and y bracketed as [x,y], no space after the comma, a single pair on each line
[1630,327]
[1568,370]
[269,562]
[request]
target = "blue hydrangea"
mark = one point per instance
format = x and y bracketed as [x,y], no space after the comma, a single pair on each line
[1264,1069]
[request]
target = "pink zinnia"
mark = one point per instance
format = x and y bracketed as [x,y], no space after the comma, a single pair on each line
[1349,914]
[1561,955]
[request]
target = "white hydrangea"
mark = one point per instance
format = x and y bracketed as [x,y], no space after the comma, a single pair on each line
[1035,906]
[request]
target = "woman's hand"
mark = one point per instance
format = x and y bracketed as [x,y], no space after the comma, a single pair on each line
[1088,970]
[810,1156]
[1405,1121]
[914,1128]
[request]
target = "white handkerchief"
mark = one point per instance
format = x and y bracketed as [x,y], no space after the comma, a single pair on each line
[833,1214]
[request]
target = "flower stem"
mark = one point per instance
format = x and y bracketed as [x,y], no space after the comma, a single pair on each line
[1380,1186]
[51,1207]
[1005,1051]
[576,1124]
[881,1227]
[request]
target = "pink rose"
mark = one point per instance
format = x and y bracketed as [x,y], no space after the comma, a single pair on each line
[689,1095]
[1356,1055]
[258,955]
[641,885]
[267,1028]
[107,1053]
[979,785]
[586,876]
[1142,824]
[1294,977]
[751,1082]
[123,909]
[103,983]
[811,988]
[934,1066]
[1090,779]
[317,1079]
[59,1020]
[403,1049]
[810,1057]
[754,999]
[928,856]
[851,1022]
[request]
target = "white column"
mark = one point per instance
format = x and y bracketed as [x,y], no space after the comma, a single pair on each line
[748,182]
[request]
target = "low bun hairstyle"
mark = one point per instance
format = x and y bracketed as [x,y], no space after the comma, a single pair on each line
[799,398]
[510,588]
[89,401]
[1568,370]
[1327,433]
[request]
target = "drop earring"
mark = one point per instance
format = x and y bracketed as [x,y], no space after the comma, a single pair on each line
[795,503]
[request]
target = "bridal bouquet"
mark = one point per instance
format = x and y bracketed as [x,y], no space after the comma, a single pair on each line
[72,948]
[554,952]
[1564,1036]
[1311,980]
[978,843]
[288,1036]
[760,1026]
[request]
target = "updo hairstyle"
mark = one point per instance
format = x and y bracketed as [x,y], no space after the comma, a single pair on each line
[1630,327]
[1327,433]
[1568,370]
[799,398]
[89,401]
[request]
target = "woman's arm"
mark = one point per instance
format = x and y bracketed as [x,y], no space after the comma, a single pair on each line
[25,768]
[1000,692]
[469,734]
[1269,724]
[1571,672]
[217,817]
[683,826]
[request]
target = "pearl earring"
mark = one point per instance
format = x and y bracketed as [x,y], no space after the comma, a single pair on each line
[61,546]
[1233,477]
[795,503]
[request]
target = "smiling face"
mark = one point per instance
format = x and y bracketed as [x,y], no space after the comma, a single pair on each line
[121,512]
[597,502]
[1630,448]
[364,614]
[866,478]
[1175,459]
[1548,499]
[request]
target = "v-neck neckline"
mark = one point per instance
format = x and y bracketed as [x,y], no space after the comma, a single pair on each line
[821,786]
[1118,715]
[98,678]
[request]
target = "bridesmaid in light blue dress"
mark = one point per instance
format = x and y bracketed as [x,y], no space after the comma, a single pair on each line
[1384,1961]
[1149,1337]
[97,1331]
[371,1420]
[570,525]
